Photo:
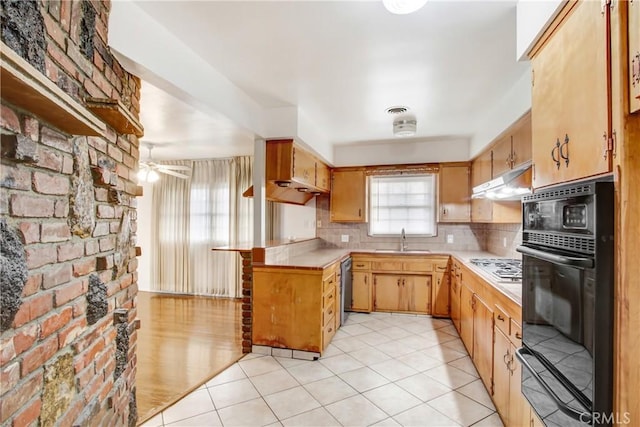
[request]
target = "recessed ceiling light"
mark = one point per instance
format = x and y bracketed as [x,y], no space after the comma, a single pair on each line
[403,7]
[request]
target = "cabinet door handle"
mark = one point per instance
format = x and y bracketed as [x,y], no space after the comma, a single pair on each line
[556,149]
[506,358]
[360,213]
[562,154]
[500,318]
[518,336]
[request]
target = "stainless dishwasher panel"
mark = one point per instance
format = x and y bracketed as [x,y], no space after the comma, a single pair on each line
[346,291]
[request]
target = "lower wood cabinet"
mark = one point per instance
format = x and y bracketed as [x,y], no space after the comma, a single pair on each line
[466,317]
[456,283]
[483,341]
[401,283]
[295,308]
[361,291]
[402,293]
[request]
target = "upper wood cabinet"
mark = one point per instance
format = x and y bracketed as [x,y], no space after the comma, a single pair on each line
[287,162]
[512,148]
[634,55]
[570,105]
[454,193]
[348,195]
[481,209]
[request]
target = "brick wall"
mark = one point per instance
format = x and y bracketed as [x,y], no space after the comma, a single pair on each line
[69,280]
[247,294]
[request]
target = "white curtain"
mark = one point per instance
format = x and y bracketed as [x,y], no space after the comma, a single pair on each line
[217,215]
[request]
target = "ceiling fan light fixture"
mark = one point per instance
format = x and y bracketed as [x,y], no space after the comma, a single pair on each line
[403,7]
[404,127]
[148,175]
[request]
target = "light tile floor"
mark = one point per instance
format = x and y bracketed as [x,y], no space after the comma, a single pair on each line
[380,369]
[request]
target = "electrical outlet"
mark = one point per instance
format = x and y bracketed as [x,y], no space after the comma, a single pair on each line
[344,238]
[319,224]
[504,242]
[449,238]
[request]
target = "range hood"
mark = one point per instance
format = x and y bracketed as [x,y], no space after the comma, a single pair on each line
[511,185]
[283,194]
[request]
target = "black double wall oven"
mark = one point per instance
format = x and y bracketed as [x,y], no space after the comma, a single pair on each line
[567,303]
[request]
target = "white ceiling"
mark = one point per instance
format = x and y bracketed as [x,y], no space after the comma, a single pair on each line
[340,63]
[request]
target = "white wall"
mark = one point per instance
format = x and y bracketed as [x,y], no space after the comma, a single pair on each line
[532,17]
[143,237]
[298,222]
[513,105]
[399,151]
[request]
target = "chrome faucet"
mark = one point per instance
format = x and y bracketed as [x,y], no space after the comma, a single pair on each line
[403,241]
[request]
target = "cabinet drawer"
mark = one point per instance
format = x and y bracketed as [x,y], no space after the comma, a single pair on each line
[329,299]
[502,320]
[386,265]
[329,331]
[361,265]
[328,283]
[417,266]
[441,267]
[516,334]
[328,314]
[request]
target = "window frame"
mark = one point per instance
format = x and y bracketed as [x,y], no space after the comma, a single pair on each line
[408,233]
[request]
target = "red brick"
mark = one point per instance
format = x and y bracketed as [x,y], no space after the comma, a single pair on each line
[78,405]
[31,128]
[82,268]
[53,30]
[49,159]
[115,153]
[33,285]
[37,356]
[9,119]
[65,15]
[51,69]
[50,184]
[79,307]
[57,275]
[107,244]
[19,396]
[92,89]
[104,262]
[25,337]
[89,354]
[105,211]
[100,80]
[79,59]
[61,209]
[55,139]
[33,207]
[55,322]
[9,377]
[33,307]
[7,351]
[67,165]
[30,232]
[85,376]
[63,61]
[102,194]
[68,292]
[29,414]
[73,330]
[101,229]
[37,256]
[98,61]
[69,251]
[15,177]
[92,247]
[55,232]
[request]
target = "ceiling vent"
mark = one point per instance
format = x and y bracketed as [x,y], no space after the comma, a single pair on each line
[399,109]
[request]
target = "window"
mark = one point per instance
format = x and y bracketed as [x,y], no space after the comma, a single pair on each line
[402,201]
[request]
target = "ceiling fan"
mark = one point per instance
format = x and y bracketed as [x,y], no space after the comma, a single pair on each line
[149,170]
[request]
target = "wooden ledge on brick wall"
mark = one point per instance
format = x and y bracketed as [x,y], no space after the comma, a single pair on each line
[139,191]
[22,85]
[116,115]
[138,251]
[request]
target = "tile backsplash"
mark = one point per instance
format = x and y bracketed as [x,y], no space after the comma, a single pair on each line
[466,236]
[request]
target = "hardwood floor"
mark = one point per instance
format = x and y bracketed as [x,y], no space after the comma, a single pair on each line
[182,342]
